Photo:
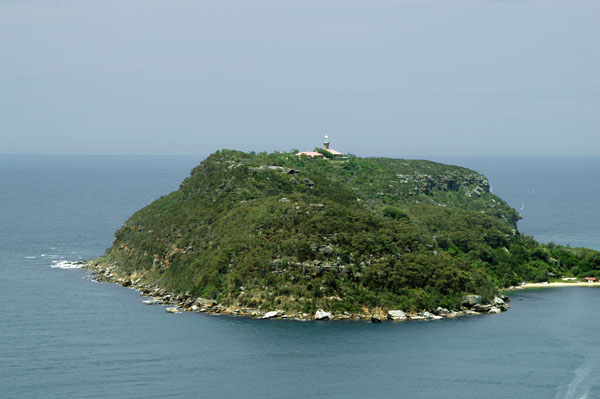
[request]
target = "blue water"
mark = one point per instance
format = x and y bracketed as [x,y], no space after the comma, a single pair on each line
[561,195]
[64,336]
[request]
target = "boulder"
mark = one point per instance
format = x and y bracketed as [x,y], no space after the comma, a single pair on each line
[149,302]
[494,309]
[498,301]
[375,319]
[442,311]
[172,310]
[207,303]
[427,315]
[482,308]
[320,314]
[417,318]
[326,250]
[436,317]
[471,300]
[273,313]
[396,315]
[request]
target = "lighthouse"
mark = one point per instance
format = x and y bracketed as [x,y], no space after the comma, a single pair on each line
[329,149]
[318,153]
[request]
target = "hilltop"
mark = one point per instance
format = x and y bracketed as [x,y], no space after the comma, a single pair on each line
[251,233]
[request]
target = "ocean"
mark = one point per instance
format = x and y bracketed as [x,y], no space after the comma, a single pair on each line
[62,335]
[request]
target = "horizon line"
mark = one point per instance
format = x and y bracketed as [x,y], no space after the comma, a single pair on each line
[402,156]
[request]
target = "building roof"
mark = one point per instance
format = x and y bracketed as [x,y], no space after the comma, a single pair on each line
[311,154]
[334,152]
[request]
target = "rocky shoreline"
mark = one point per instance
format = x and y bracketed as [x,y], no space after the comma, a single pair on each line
[472,304]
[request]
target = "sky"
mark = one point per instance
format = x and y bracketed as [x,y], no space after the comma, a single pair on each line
[391,78]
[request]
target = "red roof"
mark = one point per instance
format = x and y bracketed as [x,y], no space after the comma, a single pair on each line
[590,278]
[334,152]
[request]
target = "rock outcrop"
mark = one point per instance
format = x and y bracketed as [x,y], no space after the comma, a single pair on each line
[396,315]
[320,314]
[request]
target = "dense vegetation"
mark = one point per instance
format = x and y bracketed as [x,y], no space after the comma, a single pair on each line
[277,231]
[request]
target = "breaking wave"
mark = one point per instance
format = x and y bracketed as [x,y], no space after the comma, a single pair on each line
[65,264]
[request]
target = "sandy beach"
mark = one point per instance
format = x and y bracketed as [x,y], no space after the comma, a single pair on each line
[556,284]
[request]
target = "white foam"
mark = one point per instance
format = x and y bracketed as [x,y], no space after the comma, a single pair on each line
[30,257]
[65,264]
[579,387]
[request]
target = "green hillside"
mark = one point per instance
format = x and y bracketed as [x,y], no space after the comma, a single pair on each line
[274,231]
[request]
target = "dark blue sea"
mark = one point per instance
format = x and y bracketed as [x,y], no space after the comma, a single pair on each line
[63,335]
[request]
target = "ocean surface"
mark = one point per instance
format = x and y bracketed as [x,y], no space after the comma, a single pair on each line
[63,335]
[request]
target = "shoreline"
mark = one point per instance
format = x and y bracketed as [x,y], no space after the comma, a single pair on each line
[180,303]
[553,284]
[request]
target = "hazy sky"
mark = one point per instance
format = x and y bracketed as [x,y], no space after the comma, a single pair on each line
[395,78]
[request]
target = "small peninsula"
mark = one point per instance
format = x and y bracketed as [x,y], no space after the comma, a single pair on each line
[323,235]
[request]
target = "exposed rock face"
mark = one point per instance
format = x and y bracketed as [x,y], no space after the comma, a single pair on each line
[423,183]
[172,310]
[494,309]
[322,315]
[272,168]
[396,315]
